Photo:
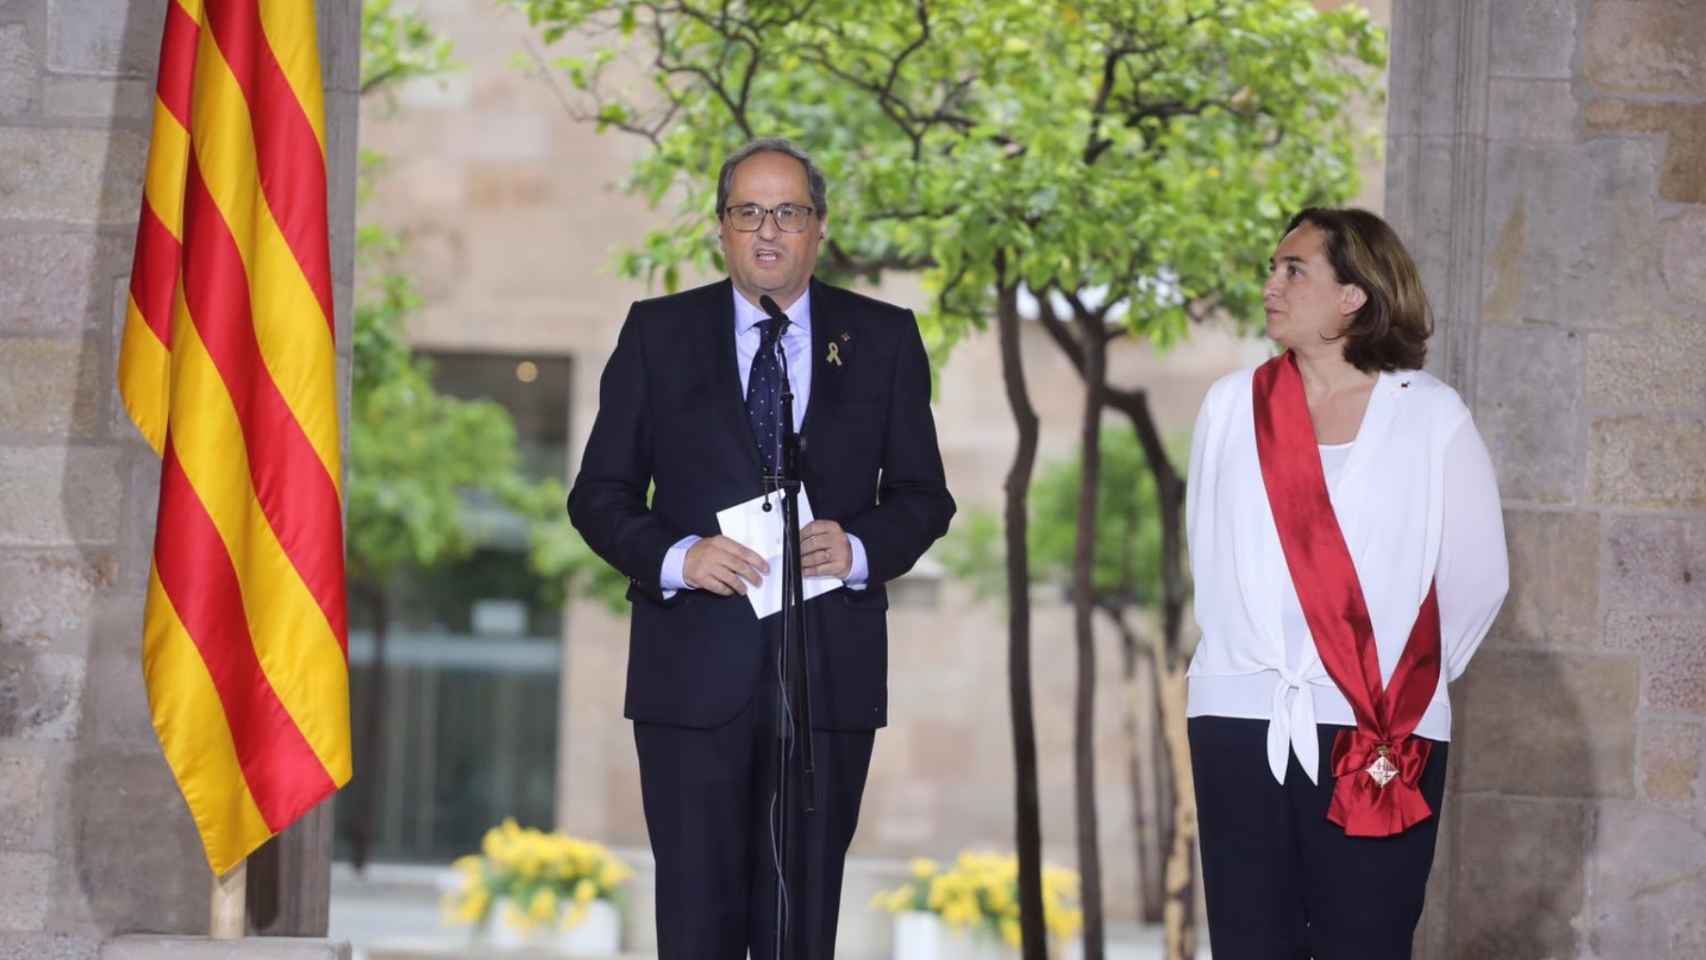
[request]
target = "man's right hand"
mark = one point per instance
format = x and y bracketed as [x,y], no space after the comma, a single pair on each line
[722,566]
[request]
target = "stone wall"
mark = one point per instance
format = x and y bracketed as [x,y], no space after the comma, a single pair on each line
[1547,162]
[94,836]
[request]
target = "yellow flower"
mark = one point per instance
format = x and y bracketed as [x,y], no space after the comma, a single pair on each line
[1010,932]
[576,914]
[467,908]
[585,891]
[513,918]
[924,868]
[543,908]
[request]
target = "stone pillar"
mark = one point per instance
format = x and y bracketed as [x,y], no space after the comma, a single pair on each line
[94,836]
[1547,164]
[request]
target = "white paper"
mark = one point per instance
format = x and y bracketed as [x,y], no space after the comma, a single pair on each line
[760,531]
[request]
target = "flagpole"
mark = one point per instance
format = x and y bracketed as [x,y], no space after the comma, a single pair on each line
[227,918]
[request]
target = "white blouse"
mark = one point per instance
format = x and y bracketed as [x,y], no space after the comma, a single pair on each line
[1417,502]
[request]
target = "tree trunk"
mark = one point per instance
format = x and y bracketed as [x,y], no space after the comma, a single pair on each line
[1144,758]
[370,753]
[1170,659]
[1179,915]
[1028,809]
[1170,663]
[1083,609]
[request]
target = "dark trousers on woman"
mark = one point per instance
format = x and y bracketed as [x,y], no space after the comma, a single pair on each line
[1283,882]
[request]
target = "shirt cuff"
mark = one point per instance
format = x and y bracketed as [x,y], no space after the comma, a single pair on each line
[672,578]
[859,577]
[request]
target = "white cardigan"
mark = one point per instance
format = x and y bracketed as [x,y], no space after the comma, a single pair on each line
[1417,501]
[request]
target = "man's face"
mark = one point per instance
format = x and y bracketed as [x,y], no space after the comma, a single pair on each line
[769,260]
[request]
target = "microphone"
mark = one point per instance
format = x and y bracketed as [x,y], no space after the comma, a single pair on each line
[773,312]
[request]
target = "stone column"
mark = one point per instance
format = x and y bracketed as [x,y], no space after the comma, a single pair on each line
[1547,164]
[94,836]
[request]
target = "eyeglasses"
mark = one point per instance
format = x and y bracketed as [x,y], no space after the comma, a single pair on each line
[790,217]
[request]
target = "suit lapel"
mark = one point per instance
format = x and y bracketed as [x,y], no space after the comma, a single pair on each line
[726,386]
[829,325]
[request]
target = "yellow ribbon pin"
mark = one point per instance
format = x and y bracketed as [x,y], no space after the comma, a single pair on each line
[834,354]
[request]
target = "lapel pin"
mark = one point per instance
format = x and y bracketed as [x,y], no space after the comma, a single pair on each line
[834,353]
[846,337]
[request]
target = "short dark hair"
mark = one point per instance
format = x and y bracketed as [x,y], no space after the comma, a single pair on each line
[815,181]
[1391,330]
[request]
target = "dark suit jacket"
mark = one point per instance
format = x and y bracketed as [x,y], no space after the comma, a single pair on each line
[671,414]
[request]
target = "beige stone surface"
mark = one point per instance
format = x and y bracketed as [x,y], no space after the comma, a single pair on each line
[1649,461]
[88,99]
[1655,564]
[52,388]
[40,694]
[71,175]
[1671,752]
[17,70]
[1530,423]
[24,891]
[1548,548]
[21,801]
[1578,815]
[89,37]
[1647,885]
[1581,745]
[1569,233]
[1684,268]
[49,946]
[59,282]
[1657,369]
[55,496]
[1532,38]
[48,597]
[1533,110]
[1642,46]
[1520,884]
[145,947]
[1683,126]
[1673,651]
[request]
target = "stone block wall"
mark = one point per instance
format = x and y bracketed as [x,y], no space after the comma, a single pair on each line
[1547,163]
[94,836]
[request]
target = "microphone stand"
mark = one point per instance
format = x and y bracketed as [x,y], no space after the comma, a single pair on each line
[794,685]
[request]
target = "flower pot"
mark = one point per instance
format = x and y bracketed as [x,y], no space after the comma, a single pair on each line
[918,935]
[921,935]
[598,934]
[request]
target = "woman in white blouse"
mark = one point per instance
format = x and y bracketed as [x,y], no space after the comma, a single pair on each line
[1349,555]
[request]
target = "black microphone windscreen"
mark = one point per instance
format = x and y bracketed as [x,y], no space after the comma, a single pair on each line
[770,308]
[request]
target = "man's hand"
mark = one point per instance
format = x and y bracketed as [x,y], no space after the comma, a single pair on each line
[825,550]
[722,566]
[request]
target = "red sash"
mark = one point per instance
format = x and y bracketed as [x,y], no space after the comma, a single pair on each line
[1379,764]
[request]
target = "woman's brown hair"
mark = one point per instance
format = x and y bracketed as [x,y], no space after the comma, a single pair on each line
[1391,330]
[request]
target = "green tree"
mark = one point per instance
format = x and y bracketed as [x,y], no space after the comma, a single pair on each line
[418,458]
[1128,586]
[1127,162]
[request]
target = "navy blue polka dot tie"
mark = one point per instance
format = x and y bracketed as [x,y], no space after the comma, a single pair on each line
[764,398]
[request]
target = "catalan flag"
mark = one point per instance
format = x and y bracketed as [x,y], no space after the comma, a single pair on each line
[228,368]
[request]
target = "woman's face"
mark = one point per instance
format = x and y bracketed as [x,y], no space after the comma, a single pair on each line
[1304,301]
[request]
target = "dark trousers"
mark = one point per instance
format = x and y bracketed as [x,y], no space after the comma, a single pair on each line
[1283,882]
[707,796]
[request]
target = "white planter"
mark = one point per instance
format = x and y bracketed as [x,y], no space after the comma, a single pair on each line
[598,934]
[921,935]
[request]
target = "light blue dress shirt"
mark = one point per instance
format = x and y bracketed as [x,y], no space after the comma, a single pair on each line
[797,347]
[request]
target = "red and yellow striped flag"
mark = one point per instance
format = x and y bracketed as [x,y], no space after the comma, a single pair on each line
[228,369]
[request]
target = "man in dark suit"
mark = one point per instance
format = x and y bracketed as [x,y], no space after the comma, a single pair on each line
[689,403]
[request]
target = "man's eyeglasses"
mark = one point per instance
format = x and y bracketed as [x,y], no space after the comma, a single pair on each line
[790,217]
